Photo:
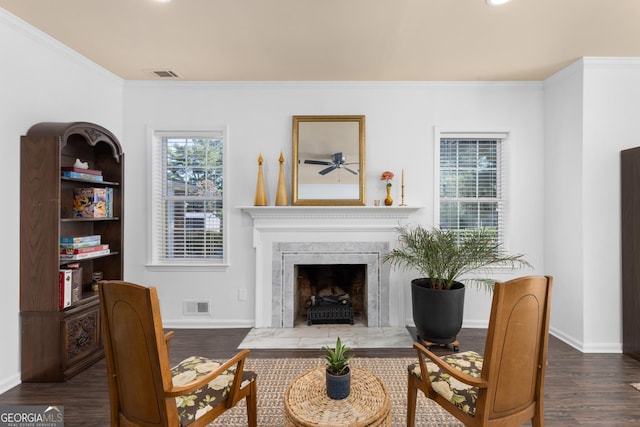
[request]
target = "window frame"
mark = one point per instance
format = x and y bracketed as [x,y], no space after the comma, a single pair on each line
[156,172]
[504,171]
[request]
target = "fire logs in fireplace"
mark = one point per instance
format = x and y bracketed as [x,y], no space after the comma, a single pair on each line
[330,309]
[330,313]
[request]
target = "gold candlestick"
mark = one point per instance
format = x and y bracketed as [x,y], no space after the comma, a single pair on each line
[402,190]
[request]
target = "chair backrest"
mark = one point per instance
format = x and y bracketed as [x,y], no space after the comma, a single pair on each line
[137,356]
[515,355]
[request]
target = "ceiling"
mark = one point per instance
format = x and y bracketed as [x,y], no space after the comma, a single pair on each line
[338,40]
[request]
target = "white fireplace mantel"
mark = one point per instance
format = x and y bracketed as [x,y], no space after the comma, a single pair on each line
[340,217]
[355,230]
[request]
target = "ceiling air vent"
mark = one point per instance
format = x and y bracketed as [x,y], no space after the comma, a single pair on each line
[163,74]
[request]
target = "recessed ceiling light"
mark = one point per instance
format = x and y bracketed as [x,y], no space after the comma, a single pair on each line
[497,2]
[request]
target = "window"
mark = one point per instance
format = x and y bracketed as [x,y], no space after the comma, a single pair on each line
[188,209]
[471,183]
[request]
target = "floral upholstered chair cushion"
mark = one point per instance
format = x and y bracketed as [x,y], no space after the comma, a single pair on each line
[193,406]
[460,394]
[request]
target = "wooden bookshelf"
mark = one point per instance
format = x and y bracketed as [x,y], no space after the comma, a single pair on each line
[58,343]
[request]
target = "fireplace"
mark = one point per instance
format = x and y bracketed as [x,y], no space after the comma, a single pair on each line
[288,255]
[330,294]
[287,237]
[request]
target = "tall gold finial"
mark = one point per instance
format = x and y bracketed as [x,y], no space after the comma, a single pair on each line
[261,196]
[281,193]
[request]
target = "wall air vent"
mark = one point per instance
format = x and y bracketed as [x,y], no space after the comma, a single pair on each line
[163,74]
[197,308]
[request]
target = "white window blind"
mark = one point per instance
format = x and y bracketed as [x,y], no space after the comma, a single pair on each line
[471,178]
[188,187]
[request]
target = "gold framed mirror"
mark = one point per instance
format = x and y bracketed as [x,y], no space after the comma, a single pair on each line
[328,161]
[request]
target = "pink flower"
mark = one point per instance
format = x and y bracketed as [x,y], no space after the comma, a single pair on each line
[387,176]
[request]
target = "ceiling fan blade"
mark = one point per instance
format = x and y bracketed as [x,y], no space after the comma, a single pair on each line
[327,170]
[317,162]
[350,170]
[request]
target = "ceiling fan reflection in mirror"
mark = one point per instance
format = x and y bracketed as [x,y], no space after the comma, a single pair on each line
[338,161]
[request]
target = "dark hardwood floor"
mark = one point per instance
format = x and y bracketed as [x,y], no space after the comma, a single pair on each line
[581,389]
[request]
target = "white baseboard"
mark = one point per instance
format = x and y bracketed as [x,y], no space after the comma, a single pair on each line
[10,382]
[475,324]
[586,347]
[200,323]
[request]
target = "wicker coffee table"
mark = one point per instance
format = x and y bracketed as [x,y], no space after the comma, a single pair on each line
[306,402]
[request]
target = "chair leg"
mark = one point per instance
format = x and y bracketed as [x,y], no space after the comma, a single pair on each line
[412,394]
[252,405]
[538,417]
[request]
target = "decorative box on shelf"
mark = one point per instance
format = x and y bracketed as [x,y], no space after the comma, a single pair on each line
[93,202]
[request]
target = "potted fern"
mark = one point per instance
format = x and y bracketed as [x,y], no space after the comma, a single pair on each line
[338,376]
[443,258]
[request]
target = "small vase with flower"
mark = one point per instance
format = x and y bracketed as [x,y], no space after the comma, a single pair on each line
[387,176]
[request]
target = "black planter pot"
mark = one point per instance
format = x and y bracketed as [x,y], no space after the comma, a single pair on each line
[437,313]
[338,386]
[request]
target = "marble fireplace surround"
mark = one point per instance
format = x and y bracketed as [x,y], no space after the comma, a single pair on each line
[285,236]
[286,255]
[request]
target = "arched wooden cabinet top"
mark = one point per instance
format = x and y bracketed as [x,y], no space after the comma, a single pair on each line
[90,132]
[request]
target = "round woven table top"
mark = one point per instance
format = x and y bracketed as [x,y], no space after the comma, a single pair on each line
[306,402]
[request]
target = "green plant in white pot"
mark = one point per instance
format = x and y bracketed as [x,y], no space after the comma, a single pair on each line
[444,258]
[338,377]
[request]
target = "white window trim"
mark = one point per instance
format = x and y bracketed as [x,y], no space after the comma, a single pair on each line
[506,172]
[153,133]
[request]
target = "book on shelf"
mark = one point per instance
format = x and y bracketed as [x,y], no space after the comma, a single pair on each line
[76,281]
[80,170]
[93,202]
[81,175]
[82,250]
[92,239]
[85,255]
[109,202]
[65,288]
[78,245]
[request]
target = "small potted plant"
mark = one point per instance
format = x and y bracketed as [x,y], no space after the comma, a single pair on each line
[338,378]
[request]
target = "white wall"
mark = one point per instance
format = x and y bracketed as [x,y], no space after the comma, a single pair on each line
[400,122]
[563,236]
[611,105]
[40,80]
[590,116]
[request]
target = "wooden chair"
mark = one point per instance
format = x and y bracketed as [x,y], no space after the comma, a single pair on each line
[506,386]
[143,389]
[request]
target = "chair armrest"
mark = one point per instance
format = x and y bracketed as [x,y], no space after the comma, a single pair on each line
[238,359]
[167,339]
[423,353]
